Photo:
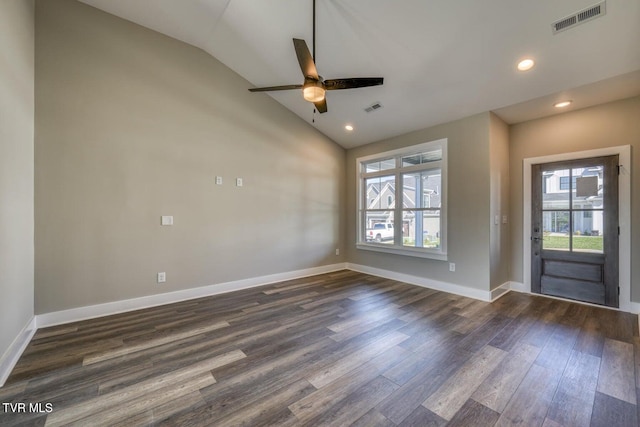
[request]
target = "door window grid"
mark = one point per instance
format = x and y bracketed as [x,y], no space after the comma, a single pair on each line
[571,228]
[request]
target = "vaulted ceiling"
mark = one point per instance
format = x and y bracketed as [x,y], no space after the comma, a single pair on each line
[441,59]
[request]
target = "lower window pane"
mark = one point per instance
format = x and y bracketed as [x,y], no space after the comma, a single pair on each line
[379,227]
[555,225]
[421,229]
[587,231]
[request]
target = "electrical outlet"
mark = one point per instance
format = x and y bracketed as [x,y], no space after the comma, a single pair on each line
[166,220]
[452,266]
[238,182]
[162,277]
[337,251]
[504,219]
[218,180]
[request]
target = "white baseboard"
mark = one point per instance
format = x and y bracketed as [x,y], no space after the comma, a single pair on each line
[500,291]
[518,287]
[15,350]
[99,310]
[451,288]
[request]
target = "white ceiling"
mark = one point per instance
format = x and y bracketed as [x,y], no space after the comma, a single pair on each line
[441,59]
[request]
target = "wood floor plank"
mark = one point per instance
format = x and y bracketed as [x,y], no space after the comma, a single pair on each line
[498,388]
[423,384]
[262,411]
[591,339]
[422,417]
[453,394]
[355,405]
[116,398]
[474,414]
[153,342]
[531,401]
[609,411]
[573,401]
[139,405]
[557,350]
[355,359]
[151,416]
[614,378]
[323,399]
[373,418]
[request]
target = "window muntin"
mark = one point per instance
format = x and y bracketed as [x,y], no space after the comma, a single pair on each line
[404,189]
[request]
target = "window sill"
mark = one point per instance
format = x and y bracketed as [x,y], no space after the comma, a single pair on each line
[419,253]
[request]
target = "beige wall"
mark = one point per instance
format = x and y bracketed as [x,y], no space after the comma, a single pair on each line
[499,171]
[608,125]
[132,125]
[468,203]
[16,168]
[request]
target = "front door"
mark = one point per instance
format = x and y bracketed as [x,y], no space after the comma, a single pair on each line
[574,230]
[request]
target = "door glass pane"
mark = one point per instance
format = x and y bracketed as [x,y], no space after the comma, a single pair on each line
[421,229]
[587,231]
[556,187]
[587,187]
[555,227]
[380,192]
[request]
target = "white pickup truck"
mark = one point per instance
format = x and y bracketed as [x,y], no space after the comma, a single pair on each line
[380,232]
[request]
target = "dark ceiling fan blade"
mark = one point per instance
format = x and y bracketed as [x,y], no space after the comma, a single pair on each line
[321,106]
[305,59]
[335,84]
[270,88]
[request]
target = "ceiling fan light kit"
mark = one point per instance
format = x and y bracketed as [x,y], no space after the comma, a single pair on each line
[314,87]
[313,91]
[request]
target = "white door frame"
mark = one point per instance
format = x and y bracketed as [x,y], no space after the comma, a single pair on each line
[624,219]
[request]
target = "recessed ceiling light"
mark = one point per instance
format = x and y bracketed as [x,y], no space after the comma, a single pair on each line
[349,128]
[526,64]
[562,104]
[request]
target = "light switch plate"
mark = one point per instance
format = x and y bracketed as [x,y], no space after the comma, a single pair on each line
[166,220]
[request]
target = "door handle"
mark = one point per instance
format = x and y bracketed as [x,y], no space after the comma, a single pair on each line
[536,239]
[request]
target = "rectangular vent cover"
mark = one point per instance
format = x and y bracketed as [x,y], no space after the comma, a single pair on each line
[579,17]
[373,107]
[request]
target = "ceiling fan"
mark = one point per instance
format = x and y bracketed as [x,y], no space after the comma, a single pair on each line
[314,86]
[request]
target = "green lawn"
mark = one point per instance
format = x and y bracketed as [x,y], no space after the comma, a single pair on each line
[589,243]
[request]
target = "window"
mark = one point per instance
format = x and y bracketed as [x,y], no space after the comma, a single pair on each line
[564,182]
[415,177]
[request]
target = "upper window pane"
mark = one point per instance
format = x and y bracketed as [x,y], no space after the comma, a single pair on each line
[380,165]
[421,158]
[587,188]
[380,192]
[422,189]
[555,186]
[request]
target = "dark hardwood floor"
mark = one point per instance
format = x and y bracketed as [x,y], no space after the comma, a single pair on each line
[336,349]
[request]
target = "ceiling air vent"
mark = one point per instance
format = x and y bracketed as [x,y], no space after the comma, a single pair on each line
[579,17]
[373,107]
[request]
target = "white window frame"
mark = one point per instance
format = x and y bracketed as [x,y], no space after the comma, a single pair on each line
[397,247]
